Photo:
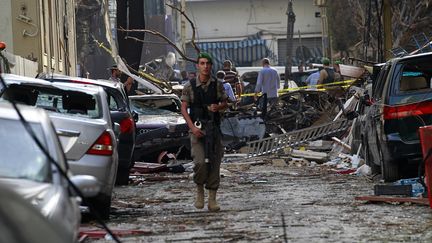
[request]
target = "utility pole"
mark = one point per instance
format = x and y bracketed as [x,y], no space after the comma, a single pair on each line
[183,31]
[289,40]
[388,43]
[322,4]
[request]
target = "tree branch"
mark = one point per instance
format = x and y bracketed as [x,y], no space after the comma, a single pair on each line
[156,33]
[192,25]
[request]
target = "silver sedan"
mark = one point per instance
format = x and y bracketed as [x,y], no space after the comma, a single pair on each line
[26,169]
[81,116]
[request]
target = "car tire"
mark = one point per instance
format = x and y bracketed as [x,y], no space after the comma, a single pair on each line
[101,205]
[122,176]
[366,154]
[389,167]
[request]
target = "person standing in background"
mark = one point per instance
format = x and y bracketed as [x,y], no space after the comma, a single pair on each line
[268,82]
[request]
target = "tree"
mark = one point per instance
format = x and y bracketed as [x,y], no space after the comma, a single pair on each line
[341,26]
[362,25]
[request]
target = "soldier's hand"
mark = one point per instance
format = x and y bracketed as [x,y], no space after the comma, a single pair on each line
[197,132]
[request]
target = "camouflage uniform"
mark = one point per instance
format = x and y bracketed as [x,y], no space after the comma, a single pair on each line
[202,175]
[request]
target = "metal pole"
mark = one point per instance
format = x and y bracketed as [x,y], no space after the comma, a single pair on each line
[325,38]
[289,40]
[183,32]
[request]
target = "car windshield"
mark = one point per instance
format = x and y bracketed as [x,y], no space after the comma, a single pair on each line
[68,102]
[166,106]
[20,155]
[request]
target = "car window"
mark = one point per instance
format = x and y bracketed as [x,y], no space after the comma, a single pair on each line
[379,84]
[155,106]
[415,76]
[113,105]
[116,101]
[20,156]
[68,102]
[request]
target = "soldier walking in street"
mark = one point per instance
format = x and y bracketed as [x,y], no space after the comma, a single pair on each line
[205,97]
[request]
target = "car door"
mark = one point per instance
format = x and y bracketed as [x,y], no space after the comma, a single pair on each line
[373,120]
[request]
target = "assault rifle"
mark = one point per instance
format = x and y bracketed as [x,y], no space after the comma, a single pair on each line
[211,131]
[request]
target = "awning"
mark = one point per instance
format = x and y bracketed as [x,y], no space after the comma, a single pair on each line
[241,53]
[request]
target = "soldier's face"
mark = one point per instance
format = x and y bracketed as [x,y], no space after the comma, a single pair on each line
[204,67]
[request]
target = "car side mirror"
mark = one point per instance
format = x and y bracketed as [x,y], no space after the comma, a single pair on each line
[116,129]
[87,184]
[135,116]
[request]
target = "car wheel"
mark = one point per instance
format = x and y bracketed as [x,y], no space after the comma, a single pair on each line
[122,176]
[366,154]
[101,205]
[389,167]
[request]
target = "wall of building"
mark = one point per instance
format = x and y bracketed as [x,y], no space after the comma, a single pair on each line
[6,24]
[235,19]
[42,31]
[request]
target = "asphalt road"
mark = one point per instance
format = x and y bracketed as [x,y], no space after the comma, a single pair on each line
[267,203]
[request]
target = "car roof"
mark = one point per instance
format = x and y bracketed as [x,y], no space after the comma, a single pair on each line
[99,82]
[30,113]
[90,89]
[397,59]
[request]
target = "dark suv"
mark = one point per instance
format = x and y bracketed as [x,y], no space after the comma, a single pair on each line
[120,113]
[401,102]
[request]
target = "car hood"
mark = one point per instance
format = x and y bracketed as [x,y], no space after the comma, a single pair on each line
[160,119]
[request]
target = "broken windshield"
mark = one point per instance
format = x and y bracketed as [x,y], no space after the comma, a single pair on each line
[155,107]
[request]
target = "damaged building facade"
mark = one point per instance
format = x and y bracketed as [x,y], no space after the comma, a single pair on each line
[39,35]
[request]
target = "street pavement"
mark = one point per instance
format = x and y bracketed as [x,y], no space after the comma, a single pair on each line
[266,203]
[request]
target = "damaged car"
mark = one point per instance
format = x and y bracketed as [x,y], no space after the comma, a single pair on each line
[27,170]
[400,103]
[160,126]
[80,114]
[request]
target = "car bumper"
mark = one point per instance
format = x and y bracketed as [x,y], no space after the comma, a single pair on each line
[400,149]
[104,168]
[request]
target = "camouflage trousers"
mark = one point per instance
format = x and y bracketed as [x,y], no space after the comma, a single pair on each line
[207,174]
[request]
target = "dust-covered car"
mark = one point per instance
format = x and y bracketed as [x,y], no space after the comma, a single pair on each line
[401,102]
[27,170]
[81,117]
[120,112]
[160,125]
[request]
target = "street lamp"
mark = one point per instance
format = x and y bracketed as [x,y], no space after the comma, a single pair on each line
[289,40]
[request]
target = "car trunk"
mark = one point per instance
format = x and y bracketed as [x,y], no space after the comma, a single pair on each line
[78,134]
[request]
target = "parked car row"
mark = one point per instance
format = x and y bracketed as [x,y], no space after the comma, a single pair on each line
[398,103]
[88,129]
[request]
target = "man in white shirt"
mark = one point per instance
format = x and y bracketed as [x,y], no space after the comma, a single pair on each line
[268,82]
